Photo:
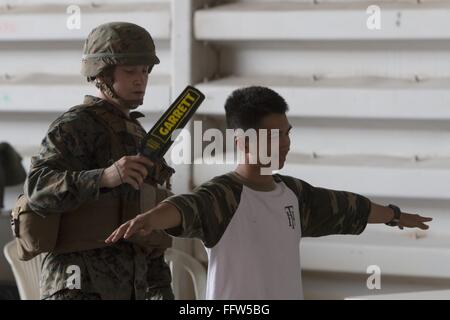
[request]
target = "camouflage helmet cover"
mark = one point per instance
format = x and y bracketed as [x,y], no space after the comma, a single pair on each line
[117,43]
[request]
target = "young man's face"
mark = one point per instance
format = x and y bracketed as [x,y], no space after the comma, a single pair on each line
[268,123]
[130,82]
[280,122]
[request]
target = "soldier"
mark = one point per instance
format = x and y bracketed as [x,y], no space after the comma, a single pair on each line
[251,223]
[87,161]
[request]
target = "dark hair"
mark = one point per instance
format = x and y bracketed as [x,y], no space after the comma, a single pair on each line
[246,107]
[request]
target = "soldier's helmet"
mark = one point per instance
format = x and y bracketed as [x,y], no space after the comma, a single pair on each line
[117,43]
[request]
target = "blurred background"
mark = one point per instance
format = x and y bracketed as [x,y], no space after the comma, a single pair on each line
[367,82]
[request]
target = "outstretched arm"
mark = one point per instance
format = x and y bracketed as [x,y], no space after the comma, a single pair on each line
[164,216]
[326,212]
[202,214]
[382,214]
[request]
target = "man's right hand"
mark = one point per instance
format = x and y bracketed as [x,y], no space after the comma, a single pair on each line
[163,216]
[141,224]
[128,169]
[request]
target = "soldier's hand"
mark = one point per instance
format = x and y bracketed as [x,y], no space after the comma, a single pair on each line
[141,225]
[408,220]
[128,169]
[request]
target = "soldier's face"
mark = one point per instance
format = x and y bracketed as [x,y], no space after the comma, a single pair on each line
[130,82]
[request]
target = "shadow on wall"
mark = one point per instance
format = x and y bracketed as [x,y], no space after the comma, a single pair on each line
[11,170]
[11,173]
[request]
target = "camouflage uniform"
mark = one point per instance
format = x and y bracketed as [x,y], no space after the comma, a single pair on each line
[68,169]
[64,175]
[208,210]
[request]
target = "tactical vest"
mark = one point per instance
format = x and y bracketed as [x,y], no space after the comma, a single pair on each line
[88,226]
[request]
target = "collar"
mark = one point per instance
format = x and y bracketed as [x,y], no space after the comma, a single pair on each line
[88,99]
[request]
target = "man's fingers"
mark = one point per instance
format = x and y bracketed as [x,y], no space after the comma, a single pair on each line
[132,182]
[416,224]
[118,233]
[134,169]
[139,168]
[134,179]
[143,160]
[109,239]
[126,230]
[137,176]
[134,226]
[423,226]
[420,222]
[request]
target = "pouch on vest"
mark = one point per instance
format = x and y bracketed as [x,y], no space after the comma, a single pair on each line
[81,229]
[34,233]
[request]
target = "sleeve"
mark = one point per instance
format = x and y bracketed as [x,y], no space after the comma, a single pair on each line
[326,212]
[58,179]
[207,211]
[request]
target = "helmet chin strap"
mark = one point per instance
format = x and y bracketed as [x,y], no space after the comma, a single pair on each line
[107,88]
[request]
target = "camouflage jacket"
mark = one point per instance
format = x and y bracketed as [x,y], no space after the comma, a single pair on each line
[207,211]
[65,174]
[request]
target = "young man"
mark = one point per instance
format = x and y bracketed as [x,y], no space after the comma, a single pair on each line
[88,171]
[251,223]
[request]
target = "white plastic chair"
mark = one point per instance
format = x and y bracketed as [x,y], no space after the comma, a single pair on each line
[26,273]
[176,258]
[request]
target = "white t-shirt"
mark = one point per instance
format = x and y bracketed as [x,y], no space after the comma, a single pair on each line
[252,237]
[263,236]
